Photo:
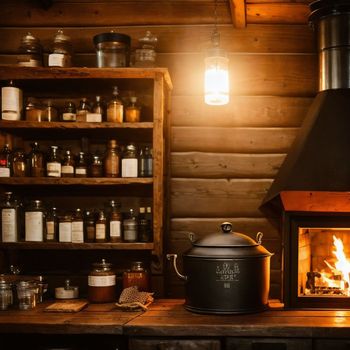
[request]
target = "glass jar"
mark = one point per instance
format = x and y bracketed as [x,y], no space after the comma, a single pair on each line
[137,276]
[130,233]
[115,221]
[50,113]
[83,110]
[9,219]
[81,166]
[144,226]
[146,55]
[69,112]
[89,226]
[98,112]
[11,102]
[100,228]
[51,225]
[115,109]
[133,111]
[53,164]
[34,221]
[6,295]
[111,162]
[36,161]
[102,283]
[96,167]
[30,52]
[129,161]
[19,164]
[26,293]
[65,228]
[145,162]
[5,161]
[33,111]
[61,55]
[112,49]
[77,227]
[67,167]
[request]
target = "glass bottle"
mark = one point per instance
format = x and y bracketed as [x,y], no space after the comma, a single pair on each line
[144,226]
[111,162]
[67,168]
[145,162]
[69,112]
[11,102]
[34,221]
[61,55]
[97,114]
[19,164]
[129,161]
[77,227]
[9,219]
[115,221]
[89,226]
[137,276]
[146,55]
[130,227]
[82,110]
[115,108]
[50,112]
[36,161]
[53,164]
[65,228]
[6,295]
[100,228]
[133,111]
[30,52]
[5,161]
[33,111]
[81,166]
[51,225]
[96,167]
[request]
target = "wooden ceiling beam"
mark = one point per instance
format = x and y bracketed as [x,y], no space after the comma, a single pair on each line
[238,13]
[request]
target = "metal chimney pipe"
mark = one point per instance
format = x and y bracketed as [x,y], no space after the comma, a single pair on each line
[331,20]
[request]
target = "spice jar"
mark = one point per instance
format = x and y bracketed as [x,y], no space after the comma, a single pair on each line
[102,283]
[129,161]
[137,276]
[112,49]
[6,295]
[34,221]
[61,55]
[30,52]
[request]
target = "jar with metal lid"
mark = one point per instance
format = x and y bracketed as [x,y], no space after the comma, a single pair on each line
[30,51]
[112,49]
[129,161]
[137,276]
[34,221]
[67,292]
[102,283]
[130,227]
[61,55]
[6,295]
[27,295]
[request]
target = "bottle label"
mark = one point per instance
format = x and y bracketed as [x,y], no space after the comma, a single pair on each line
[53,169]
[50,230]
[67,169]
[9,225]
[65,232]
[101,281]
[94,117]
[80,171]
[69,117]
[58,60]
[77,232]
[4,172]
[114,228]
[129,167]
[11,100]
[100,231]
[34,224]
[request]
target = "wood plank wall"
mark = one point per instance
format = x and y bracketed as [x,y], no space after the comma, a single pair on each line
[222,159]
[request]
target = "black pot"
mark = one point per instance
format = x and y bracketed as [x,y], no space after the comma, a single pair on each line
[226,273]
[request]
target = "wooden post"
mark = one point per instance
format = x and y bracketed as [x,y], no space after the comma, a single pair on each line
[238,13]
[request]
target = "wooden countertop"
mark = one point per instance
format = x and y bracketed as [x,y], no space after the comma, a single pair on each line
[167,317]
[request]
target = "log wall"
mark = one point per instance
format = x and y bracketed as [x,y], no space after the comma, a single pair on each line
[222,159]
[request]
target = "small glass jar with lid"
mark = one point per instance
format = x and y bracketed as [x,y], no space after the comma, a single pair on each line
[33,111]
[89,226]
[81,166]
[102,283]
[53,164]
[133,111]
[96,166]
[30,51]
[129,161]
[61,55]
[27,295]
[19,163]
[137,276]
[146,55]
[130,227]
[34,221]
[6,295]
[69,113]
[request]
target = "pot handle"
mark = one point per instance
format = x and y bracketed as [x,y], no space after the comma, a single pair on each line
[259,237]
[174,257]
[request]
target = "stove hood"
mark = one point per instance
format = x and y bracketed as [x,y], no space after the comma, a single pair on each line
[319,159]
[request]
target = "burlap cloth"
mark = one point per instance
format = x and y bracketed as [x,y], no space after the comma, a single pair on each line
[131,299]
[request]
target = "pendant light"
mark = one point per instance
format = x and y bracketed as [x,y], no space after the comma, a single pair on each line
[216,77]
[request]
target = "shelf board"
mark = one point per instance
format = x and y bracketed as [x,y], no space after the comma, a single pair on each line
[76,246]
[23,124]
[71,181]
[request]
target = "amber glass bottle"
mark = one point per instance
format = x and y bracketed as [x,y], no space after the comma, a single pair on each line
[115,109]
[67,169]
[112,160]
[36,161]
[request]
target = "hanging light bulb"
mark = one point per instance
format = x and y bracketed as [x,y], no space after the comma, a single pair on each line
[216,78]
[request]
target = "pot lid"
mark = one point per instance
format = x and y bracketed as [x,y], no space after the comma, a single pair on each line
[227,238]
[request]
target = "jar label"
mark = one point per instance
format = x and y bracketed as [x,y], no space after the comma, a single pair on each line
[50,230]
[9,225]
[69,117]
[53,169]
[34,223]
[114,228]
[67,169]
[58,60]
[101,281]
[100,231]
[65,232]
[94,117]
[80,171]
[4,172]
[129,167]
[77,232]
[11,100]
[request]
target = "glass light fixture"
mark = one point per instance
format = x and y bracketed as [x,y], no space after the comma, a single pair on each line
[216,77]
